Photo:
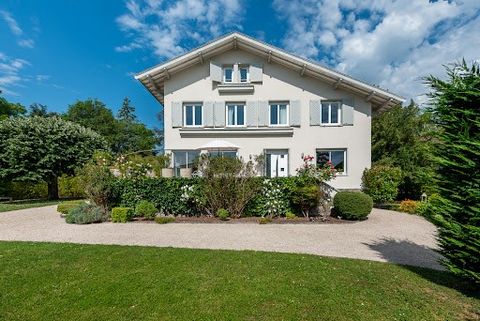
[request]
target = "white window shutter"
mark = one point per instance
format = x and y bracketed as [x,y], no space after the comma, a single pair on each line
[263,113]
[295,113]
[177,114]
[348,110]
[215,72]
[256,73]
[315,112]
[252,114]
[219,114]
[208,114]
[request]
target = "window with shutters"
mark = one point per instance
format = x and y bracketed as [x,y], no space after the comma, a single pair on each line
[278,114]
[331,112]
[227,74]
[337,157]
[244,74]
[235,114]
[193,115]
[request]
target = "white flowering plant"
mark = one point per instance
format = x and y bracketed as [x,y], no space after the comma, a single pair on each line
[275,203]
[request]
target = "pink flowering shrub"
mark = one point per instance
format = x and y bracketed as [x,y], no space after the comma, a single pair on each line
[320,173]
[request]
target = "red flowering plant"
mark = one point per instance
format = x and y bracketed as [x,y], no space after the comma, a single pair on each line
[319,172]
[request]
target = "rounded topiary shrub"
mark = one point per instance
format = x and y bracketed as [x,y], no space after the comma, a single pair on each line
[352,205]
[146,209]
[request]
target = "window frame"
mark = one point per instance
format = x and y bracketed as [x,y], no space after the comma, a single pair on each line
[240,67]
[221,152]
[186,152]
[339,116]
[224,76]
[236,112]
[344,150]
[278,114]
[194,105]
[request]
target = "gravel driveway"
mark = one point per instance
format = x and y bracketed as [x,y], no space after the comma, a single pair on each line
[386,236]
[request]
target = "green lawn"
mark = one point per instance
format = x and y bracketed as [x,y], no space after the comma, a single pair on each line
[5,207]
[45,281]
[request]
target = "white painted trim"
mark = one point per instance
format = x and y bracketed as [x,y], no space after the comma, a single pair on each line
[236,113]
[278,103]
[193,115]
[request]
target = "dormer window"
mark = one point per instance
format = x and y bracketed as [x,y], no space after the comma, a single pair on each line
[228,74]
[244,74]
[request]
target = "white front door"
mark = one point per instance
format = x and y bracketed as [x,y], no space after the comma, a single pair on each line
[277,163]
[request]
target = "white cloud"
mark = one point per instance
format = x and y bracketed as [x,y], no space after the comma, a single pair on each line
[10,69]
[11,22]
[170,28]
[390,43]
[26,43]
[16,30]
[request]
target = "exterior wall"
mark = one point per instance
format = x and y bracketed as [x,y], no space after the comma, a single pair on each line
[279,84]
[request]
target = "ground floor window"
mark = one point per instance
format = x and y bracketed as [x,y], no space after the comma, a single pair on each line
[222,153]
[338,157]
[184,159]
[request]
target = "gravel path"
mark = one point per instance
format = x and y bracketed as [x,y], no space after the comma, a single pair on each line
[386,236]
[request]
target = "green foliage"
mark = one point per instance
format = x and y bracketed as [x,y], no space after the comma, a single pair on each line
[274,202]
[227,183]
[71,186]
[146,209]
[402,137]
[290,215]
[381,182]
[99,183]
[134,137]
[164,193]
[42,149]
[319,173]
[352,205]
[164,219]
[223,214]
[409,206]
[8,109]
[85,214]
[40,111]
[122,214]
[306,197]
[127,111]
[264,220]
[455,106]
[66,206]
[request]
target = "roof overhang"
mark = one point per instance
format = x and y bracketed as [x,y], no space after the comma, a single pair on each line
[153,78]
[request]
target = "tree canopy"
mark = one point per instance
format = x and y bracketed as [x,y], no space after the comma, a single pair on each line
[124,134]
[456,111]
[126,111]
[42,149]
[402,137]
[8,109]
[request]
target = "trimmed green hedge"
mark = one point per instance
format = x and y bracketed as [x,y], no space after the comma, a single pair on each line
[352,205]
[122,214]
[166,194]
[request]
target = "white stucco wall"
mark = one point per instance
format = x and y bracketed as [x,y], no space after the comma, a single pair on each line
[279,84]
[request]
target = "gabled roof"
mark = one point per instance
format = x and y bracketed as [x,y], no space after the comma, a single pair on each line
[153,78]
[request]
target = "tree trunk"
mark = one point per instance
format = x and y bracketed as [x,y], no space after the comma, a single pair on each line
[53,188]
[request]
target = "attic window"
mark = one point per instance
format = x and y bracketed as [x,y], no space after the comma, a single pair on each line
[244,75]
[227,74]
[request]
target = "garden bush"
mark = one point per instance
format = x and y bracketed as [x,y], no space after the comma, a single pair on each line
[290,215]
[164,219]
[352,205]
[98,183]
[223,214]
[66,206]
[264,220]
[146,210]
[306,198]
[85,214]
[122,214]
[381,182]
[408,206]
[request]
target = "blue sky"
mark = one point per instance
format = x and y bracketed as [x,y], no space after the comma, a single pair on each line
[58,51]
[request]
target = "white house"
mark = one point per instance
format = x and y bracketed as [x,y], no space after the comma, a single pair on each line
[240,96]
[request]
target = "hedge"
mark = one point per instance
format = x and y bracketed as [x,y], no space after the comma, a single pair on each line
[166,194]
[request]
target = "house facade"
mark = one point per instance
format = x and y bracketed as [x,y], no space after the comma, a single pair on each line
[237,96]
